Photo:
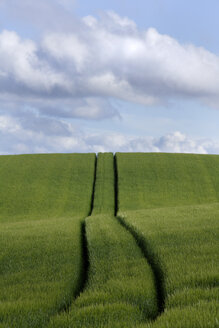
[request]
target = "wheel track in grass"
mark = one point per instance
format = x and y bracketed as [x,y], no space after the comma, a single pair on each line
[83,275]
[140,241]
[146,250]
[152,261]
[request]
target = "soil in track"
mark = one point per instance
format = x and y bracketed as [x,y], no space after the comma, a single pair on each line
[119,287]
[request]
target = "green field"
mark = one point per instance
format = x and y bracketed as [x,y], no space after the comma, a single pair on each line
[119,241]
[174,212]
[44,199]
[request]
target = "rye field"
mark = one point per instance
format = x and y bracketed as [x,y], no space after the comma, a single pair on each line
[124,240]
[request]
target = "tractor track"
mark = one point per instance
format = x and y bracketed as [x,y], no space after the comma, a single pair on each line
[84,267]
[146,250]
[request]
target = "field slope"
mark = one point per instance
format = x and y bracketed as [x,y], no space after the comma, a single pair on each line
[129,240]
[164,180]
[43,201]
[173,209]
[119,291]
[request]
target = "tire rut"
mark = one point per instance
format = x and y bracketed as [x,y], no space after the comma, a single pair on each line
[146,250]
[83,275]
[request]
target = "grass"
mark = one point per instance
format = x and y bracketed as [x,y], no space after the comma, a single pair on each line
[104,198]
[44,199]
[164,180]
[153,266]
[181,239]
[40,269]
[120,288]
[45,186]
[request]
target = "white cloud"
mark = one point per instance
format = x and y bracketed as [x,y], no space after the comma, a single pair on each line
[117,24]
[145,67]
[180,143]
[171,143]
[31,135]
[20,64]
[66,47]
[104,58]
[34,134]
[77,108]
[146,64]
[75,69]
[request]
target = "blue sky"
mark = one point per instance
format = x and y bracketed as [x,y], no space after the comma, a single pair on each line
[81,76]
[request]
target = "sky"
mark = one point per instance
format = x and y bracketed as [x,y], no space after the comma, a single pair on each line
[93,76]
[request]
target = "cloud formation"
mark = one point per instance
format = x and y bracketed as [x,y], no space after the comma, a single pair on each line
[102,59]
[110,57]
[34,134]
[78,66]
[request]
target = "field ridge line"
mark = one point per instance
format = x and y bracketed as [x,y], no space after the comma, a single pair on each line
[146,250]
